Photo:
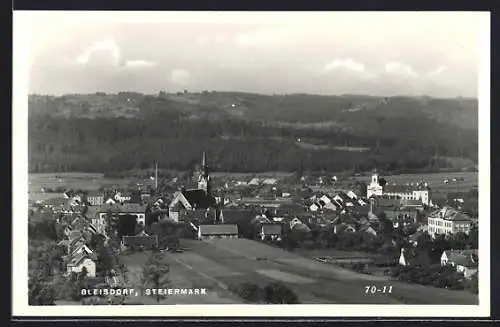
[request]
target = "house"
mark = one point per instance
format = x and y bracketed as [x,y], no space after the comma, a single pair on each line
[110,200]
[80,261]
[413,238]
[465,261]
[343,227]
[254,181]
[405,258]
[352,195]
[260,219]
[314,207]
[270,181]
[448,220]
[94,198]
[142,240]
[133,209]
[272,231]
[55,202]
[235,216]
[195,199]
[368,229]
[122,197]
[206,232]
[418,191]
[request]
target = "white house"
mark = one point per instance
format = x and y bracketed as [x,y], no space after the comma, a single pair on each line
[314,207]
[270,230]
[465,261]
[448,221]
[79,262]
[217,231]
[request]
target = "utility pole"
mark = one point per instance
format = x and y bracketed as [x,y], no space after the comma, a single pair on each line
[156,175]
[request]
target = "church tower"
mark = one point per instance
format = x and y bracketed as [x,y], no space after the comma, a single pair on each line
[204,179]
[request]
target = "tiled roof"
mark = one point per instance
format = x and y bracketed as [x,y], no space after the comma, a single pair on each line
[77,259]
[140,240]
[463,258]
[199,198]
[388,203]
[56,201]
[94,193]
[126,207]
[410,202]
[271,229]
[229,229]
[233,216]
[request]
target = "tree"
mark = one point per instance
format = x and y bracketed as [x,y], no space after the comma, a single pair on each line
[459,241]
[278,293]
[249,292]
[155,273]
[40,292]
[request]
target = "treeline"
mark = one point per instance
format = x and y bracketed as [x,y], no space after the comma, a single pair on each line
[58,144]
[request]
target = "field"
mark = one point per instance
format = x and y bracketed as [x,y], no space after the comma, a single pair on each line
[226,262]
[85,181]
[181,275]
[435,180]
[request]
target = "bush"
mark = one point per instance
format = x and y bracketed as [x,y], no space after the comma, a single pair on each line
[248,292]
[278,293]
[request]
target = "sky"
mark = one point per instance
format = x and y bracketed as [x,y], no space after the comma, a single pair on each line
[372,53]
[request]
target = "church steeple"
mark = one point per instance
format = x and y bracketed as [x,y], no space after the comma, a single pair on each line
[204,165]
[204,179]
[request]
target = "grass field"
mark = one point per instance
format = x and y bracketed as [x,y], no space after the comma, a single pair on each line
[85,181]
[237,261]
[435,180]
[181,275]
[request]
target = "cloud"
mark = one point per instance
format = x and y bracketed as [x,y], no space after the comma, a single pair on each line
[180,76]
[398,68]
[263,37]
[139,63]
[438,71]
[102,52]
[348,64]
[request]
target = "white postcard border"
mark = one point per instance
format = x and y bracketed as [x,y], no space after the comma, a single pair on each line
[20,306]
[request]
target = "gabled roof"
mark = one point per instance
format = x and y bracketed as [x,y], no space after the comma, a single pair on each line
[94,193]
[226,229]
[78,258]
[271,229]
[139,240]
[410,202]
[234,216]
[122,208]
[199,198]
[58,201]
[464,258]
[387,203]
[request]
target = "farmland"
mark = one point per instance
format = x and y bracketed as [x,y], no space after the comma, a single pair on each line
[84,181]
[435,180]
[181,275]
[237,261]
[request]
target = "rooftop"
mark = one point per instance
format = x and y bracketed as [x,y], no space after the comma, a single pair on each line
[225,229]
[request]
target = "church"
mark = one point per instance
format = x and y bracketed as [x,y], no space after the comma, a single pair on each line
[198,202]
[377,188]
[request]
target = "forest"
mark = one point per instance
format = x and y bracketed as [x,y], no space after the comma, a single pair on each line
[174,134]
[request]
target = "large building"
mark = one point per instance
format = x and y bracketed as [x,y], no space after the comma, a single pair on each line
[419,191]
[448,221]
[191,200]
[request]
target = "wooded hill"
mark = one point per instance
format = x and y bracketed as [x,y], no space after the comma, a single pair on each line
[250,132]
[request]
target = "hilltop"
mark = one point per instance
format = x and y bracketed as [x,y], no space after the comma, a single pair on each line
[251,132]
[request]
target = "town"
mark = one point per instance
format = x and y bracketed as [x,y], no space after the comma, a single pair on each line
[299,238]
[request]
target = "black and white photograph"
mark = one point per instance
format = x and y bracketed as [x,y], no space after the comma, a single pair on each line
[251,163]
